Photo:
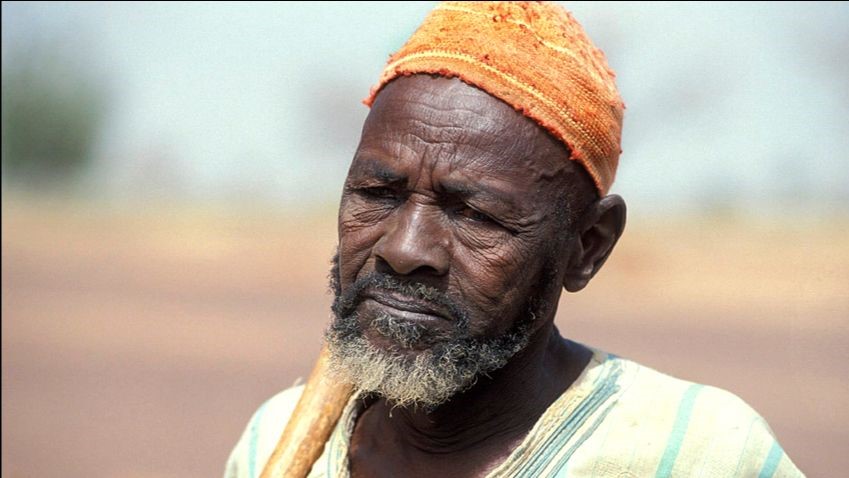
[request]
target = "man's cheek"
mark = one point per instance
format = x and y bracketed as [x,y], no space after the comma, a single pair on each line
[357,214]
[482,240]
[355,248]
[497,254]
[492,270]
[359,234]
[353,259]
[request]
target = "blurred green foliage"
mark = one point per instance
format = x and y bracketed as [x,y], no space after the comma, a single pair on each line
[52,111]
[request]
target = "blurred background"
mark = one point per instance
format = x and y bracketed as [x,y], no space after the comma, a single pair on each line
[170,178]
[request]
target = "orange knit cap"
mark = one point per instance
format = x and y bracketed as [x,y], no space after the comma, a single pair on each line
[533,56]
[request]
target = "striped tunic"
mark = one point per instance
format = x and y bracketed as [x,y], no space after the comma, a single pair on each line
[618,419]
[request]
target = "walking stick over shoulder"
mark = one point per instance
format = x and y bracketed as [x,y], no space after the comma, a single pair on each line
[314,418]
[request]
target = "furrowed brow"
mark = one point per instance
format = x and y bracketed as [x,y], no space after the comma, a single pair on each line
[368,168]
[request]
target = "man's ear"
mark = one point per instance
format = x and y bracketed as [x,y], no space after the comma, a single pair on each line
[598,230]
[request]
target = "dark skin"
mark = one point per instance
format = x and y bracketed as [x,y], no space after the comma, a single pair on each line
[452,188]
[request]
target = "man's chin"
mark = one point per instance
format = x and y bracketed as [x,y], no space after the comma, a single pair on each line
[404,376]
[391,346]
[416,377]
[408,339]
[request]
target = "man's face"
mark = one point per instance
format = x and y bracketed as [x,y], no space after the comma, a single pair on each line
[448,225]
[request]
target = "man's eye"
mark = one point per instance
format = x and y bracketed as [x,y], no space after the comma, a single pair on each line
[379,192]
[475,215]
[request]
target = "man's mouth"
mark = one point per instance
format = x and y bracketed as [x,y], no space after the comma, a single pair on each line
[406,307]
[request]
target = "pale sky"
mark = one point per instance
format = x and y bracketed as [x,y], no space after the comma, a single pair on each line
[740,102]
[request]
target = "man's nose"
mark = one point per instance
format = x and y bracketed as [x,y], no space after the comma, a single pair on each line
[415,241]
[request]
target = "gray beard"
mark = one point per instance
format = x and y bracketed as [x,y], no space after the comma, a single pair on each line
[424,379]
[441,368]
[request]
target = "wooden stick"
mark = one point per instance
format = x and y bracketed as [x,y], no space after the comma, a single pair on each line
[310,425]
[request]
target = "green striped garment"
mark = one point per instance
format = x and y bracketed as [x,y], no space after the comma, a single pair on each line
[619,419]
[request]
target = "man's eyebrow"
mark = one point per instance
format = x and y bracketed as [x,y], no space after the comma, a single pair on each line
[373,168]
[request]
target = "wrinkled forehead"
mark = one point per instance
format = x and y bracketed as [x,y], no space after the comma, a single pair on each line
[447,120]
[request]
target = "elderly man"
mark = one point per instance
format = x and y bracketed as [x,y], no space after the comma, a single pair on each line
[477,194]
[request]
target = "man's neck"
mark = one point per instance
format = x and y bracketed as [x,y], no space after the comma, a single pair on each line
[490,419]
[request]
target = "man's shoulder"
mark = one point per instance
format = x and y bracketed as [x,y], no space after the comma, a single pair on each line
[279,408]
[643,385]
[675,426]
[262,433]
